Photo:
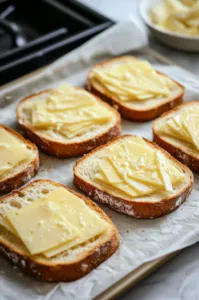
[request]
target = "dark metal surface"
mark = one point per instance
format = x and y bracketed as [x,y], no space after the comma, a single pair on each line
[47,29]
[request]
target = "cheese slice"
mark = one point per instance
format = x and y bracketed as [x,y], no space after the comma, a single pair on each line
[87,221]
[137,169]
[42,118]
[132,80]
[40,227]
[7,138]
[11,155]
[12,152]
[184,126]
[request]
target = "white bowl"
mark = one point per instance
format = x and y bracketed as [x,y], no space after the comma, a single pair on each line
[172,39]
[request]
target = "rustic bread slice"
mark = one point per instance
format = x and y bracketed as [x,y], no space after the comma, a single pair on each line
[181,150]
[60,146]
[148,206]
[68,265]
[22,172]
[136,110]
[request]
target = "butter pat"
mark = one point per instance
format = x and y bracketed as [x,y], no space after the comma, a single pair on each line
[132,81]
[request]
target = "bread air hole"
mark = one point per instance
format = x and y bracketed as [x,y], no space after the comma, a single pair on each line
[20,194]
[15,204]
[45,191]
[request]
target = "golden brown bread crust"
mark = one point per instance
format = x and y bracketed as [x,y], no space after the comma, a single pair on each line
[52,271]
[16,180]
[66,150]
[137,209]
[187,158]
[130,113]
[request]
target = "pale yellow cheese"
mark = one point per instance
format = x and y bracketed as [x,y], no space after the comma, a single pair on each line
[184,126]
[137,169]
[177,16]
[12,152]
[130,81]
[87,221]
[40,227]
[70,112]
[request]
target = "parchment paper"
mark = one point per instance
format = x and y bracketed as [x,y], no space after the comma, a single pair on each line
[141,240]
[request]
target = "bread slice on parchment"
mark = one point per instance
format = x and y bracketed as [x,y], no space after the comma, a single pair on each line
[56,144]
[144,205]
[25,167]
[181,145]
[134,110]
[69,265]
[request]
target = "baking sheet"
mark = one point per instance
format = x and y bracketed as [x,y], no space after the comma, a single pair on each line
[141,240]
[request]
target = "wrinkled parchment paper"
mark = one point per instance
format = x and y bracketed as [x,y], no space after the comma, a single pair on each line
[141,240]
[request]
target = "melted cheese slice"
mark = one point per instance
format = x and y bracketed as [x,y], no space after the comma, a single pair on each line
[81,216]
[137,169]
[12,152]
[70,112]
[183,126]
[130,81]
[40,227]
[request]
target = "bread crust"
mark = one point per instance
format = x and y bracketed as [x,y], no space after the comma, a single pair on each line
[55,272]
[130,113]
[138,208]
[16,180]
[65,150]
[180,153]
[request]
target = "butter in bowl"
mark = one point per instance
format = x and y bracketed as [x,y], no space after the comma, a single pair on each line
[173,22]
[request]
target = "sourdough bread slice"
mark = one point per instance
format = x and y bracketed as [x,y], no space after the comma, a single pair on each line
[55,144]
[135,110]
[148,206]
[23,171]
[68,265]
[181,150]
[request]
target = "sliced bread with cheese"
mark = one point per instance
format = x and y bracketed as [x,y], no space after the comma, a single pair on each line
[135,177]
[54,233]
[134,88]
[67,121]
[19,159]
[177,131]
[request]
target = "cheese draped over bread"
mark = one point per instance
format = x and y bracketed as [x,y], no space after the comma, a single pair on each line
[177,16]
[12,152]
[135,169]
[69,111]
[132,80]
[53,224]
[183,126]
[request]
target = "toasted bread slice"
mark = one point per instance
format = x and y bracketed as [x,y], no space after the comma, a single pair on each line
[53,143]
[68,265]
[148,206]
[138,111]
[22,172]
[181,150]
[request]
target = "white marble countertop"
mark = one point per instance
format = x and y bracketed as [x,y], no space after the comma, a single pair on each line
[178,279]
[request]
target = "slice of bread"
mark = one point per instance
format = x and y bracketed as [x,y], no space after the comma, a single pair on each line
[68,265]
[138,111]
[55,144]
[148,206]
[22,172]
[181,150]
